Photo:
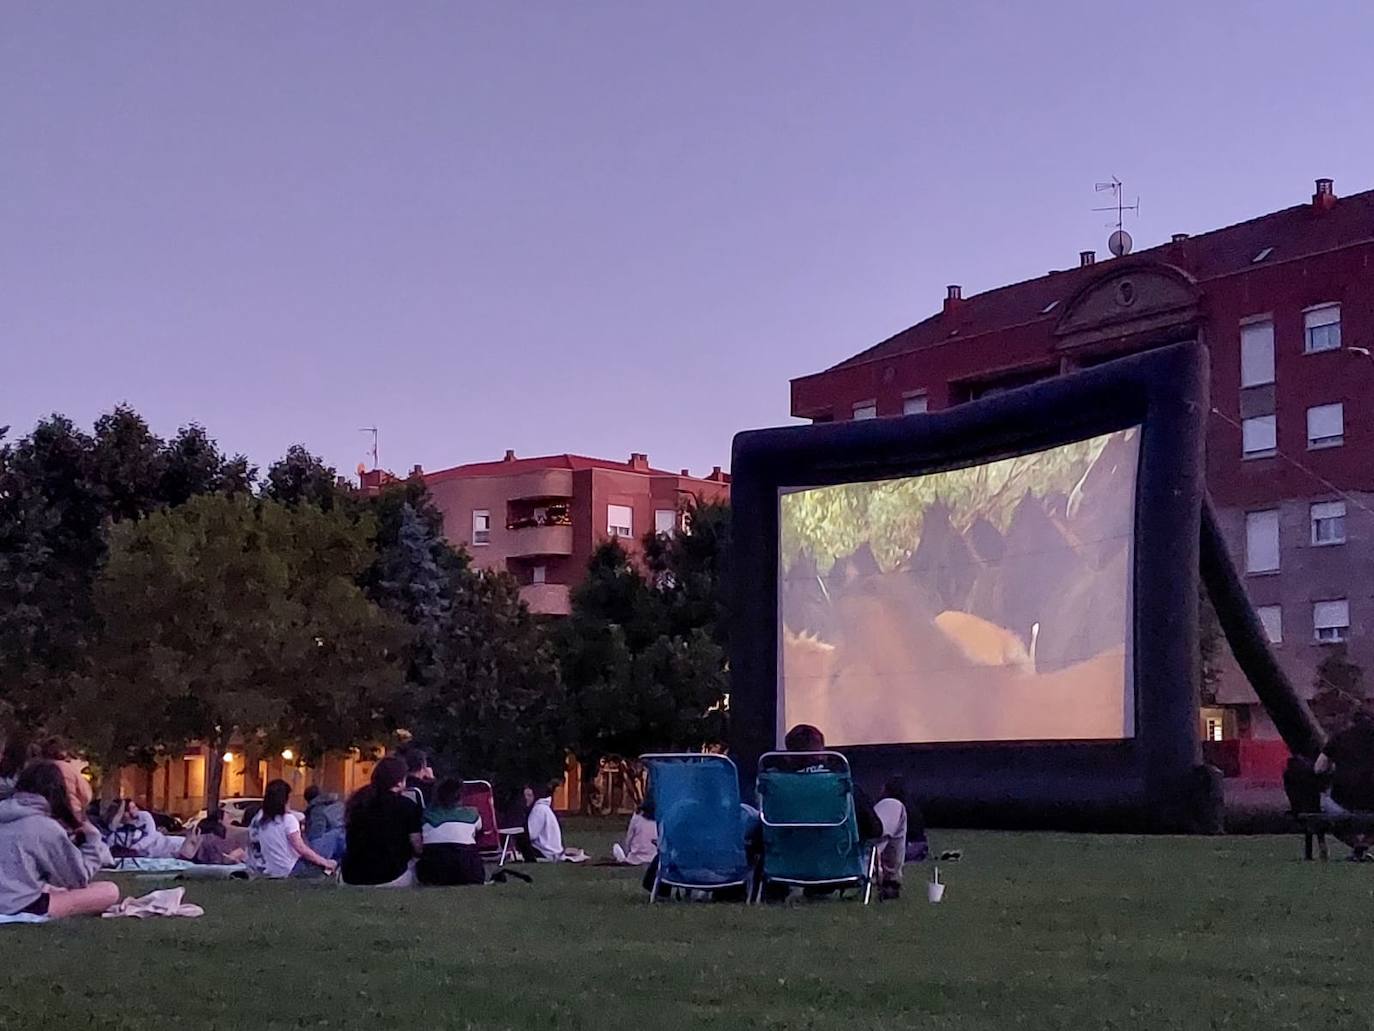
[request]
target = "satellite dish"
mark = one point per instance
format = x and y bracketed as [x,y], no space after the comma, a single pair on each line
[1119,243]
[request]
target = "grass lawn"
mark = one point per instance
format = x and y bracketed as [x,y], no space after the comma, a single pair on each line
[1036,931]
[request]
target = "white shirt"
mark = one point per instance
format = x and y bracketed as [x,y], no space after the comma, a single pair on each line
[892,815]
[269,847]
[545,834]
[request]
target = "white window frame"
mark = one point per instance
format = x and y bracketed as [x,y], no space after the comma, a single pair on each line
[1316,442]
[1331,625]
[539,574]
[1255,562]
[1259,423]
[1316,323]
[865,410]
[1256,336]
[1271,618]
[916,403]
[1328,523]
[481,526]
[625,528]
[665,527]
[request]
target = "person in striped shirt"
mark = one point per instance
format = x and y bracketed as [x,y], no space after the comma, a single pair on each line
[450,854]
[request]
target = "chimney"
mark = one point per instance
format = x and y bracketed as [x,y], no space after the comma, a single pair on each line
[954,296]
[685,472]
[1178,237]
[510,455]
[1086,258]
[717,475]
[416,471]
[1325,197]
[639,462]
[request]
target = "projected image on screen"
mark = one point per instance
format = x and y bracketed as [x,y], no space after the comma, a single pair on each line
[990,603]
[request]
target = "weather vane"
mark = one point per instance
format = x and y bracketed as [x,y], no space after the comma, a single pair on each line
[1119,243]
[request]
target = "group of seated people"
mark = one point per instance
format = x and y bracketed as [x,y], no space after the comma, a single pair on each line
[892,827]
[403,828]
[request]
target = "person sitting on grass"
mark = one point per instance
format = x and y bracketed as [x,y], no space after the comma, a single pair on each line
[895,816]
[19,751]
[324,823]
[546,834]
[212,848]
[450,854]
[419,774]
[133,828]
[1348,759]
[47,854]
[382,830]
[640,846]
[275,845]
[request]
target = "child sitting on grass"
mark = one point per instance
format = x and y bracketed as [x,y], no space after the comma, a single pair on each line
[450,854]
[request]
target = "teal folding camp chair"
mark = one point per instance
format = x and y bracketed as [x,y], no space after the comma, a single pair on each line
[695,798]
[810,831]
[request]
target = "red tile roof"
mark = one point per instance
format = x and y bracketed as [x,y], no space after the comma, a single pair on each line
[507,467]
[1292,233]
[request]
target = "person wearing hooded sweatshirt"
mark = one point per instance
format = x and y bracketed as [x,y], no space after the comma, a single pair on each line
[47,854]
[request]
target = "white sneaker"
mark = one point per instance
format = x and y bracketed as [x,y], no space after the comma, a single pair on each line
[618,853]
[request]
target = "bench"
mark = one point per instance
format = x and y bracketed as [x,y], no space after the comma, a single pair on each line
[1316,826]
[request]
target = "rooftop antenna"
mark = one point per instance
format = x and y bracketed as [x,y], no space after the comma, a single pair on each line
[376,463]
[1119,243]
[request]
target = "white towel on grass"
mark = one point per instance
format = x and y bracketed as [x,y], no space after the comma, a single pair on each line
[166,902]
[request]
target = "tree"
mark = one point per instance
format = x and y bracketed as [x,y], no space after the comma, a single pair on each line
[1339,689]
[51,515]
[482,682]
[233,616]
[644,658]
[300,478]
[60,489]
[193,464]
[1209,640]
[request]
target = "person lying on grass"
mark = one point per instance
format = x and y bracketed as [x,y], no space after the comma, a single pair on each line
[275,845]
[47,854]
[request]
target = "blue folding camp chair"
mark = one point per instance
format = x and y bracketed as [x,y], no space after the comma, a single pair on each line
[696,804]
[810,831]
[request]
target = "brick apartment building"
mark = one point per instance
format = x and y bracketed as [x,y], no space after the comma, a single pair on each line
[1285,302]
[540,518]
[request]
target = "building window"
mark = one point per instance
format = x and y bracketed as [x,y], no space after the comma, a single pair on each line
[481,526]
[1272,618]
[539,574]
[1326,426]
[1256,354]
[866,410]
[1330,620]
[1259,436]
[1328,522]
[1262,541]
[665,521]
[620,520]
[1323,328]
[916,404]
[1212,728]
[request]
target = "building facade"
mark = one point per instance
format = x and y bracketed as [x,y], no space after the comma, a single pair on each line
[540,519]
[1285,303]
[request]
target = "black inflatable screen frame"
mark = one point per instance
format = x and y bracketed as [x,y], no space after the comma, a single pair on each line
[1150,782]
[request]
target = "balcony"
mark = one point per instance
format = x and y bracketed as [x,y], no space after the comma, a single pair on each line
[534,541]
[547,599]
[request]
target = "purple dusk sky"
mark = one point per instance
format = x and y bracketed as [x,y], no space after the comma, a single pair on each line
[589,226]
